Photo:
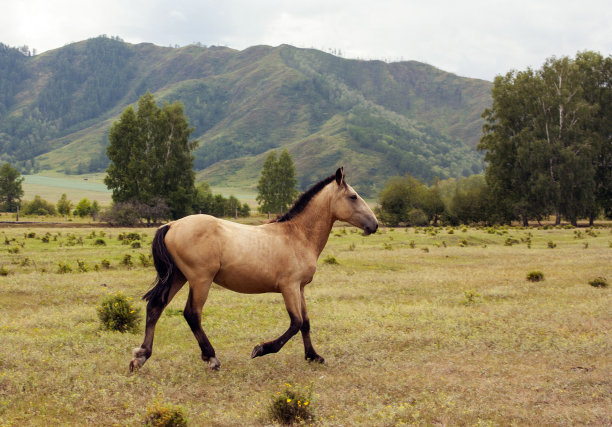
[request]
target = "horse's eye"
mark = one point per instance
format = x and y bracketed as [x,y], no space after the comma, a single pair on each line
[353,197]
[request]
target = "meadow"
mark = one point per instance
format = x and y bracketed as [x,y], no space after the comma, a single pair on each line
[423,326]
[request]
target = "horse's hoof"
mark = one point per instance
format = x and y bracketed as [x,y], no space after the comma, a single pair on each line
[213,363]
[139,359]
[316,358]
[136,364]
[257,351]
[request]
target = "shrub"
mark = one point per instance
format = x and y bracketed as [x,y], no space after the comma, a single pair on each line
[82,266]
[14,250]
[3,271]
[38,206]
[99,242]
[105,264]
[127,260]
[159,415]
[63,268]
[599,282]
[135,245]
[535,276]
[330,259]
[145,260]
[551,244]
[470,297]
[117,314]
[292,405]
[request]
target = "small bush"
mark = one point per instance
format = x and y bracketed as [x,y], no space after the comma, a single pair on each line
[82,266]
[535,276]
[463,243]
[100,242]
[470,297]
[45,239]
[14,250]
[551,244]
[292,405]
[63,268]
[510,241]
[145,260]
[3,271]
[127,260]
[599,282]
[159,415]
[330,259]
[135,245]
[105,264]
[116,313]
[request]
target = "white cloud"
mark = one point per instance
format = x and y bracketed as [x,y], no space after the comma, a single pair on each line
[475,38]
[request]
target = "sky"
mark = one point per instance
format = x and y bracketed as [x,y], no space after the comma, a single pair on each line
[471,38]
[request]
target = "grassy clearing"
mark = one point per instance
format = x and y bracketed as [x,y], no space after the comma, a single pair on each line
[418,326]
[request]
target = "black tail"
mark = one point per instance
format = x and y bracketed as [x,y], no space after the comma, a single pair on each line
[165,266]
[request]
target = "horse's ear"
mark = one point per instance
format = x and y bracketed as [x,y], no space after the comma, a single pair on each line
[340,175]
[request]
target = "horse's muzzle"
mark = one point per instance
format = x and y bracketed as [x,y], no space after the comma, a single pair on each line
[370,229]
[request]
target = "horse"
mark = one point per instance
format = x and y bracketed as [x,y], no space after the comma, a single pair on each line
[280,256]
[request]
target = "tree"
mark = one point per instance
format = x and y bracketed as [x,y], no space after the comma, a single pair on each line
[83,208]
[64,206]
[39,206]
[11,190]
[547,138]
[276,187]
[402,201]
[150,157]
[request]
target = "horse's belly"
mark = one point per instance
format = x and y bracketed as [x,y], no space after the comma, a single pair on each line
[247,280]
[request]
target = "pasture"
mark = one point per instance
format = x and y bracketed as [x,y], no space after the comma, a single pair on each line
[425,326]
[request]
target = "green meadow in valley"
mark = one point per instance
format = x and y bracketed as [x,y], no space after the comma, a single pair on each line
[425,326]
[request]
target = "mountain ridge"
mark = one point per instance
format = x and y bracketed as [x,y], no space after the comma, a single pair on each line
[378,119]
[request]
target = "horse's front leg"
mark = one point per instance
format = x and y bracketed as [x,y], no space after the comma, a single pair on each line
[291,295]
[310,353]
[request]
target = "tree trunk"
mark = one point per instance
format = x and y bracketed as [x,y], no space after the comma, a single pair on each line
[558,219]
[525,220]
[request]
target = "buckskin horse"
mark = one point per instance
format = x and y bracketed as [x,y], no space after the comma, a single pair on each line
[280,256]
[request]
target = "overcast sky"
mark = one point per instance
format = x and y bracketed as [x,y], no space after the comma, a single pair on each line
[471,38]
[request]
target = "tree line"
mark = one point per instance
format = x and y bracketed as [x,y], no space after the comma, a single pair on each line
[547,140]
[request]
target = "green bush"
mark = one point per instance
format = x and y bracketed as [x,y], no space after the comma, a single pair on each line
[116,313]
[159,415]
[3,271]
[292,405]
[599,282]
[105,264]
[330,259]
[100,242]
[127,260]
[63,268]
[535,276]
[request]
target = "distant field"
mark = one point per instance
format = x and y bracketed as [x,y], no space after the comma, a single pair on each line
[76,188]
[435,326]
[51,187]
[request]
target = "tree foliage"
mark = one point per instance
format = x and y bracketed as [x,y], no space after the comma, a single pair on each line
[277,183]
[547,138]
[409,201]
[11,190]
[150,154]
[64,206]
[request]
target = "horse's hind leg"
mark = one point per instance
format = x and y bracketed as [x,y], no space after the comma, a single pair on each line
[310,353]
[154,310]
[198,293]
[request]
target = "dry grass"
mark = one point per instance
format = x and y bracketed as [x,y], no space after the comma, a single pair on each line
[402,345]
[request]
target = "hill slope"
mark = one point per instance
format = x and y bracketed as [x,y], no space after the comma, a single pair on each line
[376,119]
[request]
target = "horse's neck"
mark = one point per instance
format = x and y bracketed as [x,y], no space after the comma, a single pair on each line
[316,221]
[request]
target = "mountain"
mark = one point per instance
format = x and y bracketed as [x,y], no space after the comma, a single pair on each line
[377,119]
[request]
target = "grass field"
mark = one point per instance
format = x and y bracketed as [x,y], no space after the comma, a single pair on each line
[418,326]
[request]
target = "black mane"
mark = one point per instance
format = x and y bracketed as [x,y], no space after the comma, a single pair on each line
[302,201]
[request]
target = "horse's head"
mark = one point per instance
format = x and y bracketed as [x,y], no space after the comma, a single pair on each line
[348,206]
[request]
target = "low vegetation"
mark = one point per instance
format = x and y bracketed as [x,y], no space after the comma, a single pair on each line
[452,336]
